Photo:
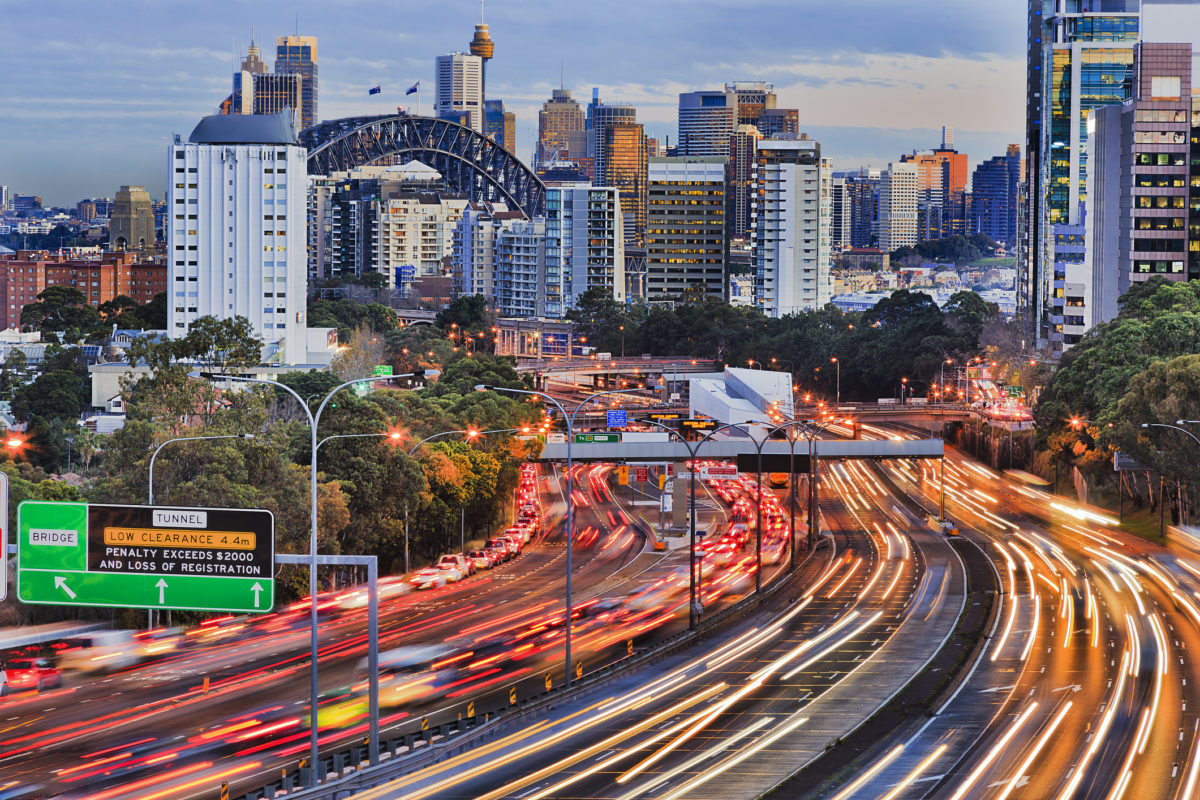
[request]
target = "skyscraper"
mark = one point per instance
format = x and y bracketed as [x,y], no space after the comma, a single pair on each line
[500,125]
[131,226]
[994,196]
[779,122]
[561,133]
[599,118]
[686,235]
[863,189]
[236,232]
[752,98]
[791,227]
[706,121]
[459,92]
[483,47]
[297,55]
[841,213]
[742,146]
[942,188]
[256,90]
[1080,57]
[623,145]
[899,191]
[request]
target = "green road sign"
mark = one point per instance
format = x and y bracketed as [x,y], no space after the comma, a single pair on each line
[379,370]
[1013,390]
[200,559]
[597,438]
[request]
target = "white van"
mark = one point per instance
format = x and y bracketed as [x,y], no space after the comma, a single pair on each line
[101,651]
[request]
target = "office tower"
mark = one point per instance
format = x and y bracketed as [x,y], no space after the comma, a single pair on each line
[841,212]
[600,117]
[994,196]
[561,132]
[500,125]
[753,97]
[942,189]
[236,233]
[1080,57]
[131,226]
[460,89]
[779,122]
[1136,223]
[791,227]
[706,121]
[686,236]
[898,194]
[256,90]
[863,189]
[4,198]
[297,55]
[741,179]
[623,145]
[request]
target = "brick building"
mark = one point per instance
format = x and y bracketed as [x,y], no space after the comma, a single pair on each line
[25,274]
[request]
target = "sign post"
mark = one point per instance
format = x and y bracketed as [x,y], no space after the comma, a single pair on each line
[191,559]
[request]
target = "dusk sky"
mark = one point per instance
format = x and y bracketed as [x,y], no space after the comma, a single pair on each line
[93,91]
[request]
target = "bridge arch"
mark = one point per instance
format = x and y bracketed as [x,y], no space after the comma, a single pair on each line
[470,162]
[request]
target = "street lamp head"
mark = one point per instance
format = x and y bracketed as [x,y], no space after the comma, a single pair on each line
[1145,424]
[471,434]
[482,387]
[247,435]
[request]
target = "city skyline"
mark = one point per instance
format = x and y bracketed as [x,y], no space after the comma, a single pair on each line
[89,114]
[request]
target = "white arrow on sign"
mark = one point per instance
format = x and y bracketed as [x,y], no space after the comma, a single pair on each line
[257,589]
[61,583]
[162,591]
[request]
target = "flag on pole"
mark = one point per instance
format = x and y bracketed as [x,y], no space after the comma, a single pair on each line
[375,90]
[413,89]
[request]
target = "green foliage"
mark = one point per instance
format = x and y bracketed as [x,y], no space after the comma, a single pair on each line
[469,313]
[62,313]
[959,249]
[347,315]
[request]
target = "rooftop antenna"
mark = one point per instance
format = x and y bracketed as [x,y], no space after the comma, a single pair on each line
[481,12]
[562,72]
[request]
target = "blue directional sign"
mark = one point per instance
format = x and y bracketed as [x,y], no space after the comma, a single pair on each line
[617,418]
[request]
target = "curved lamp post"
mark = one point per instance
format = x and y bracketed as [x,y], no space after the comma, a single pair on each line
[313,421]
[570,420]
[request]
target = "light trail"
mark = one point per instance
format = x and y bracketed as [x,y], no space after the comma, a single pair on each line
[1034,751]
[997,748]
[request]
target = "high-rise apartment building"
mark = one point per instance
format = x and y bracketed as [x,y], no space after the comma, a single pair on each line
[706,121]
[235,229]
[686,227]
[623,145]
[841,214]
[742,146]
[459,93]
[942,189]
[1139,176]
[863,189]
[297,55]
[994,192]
[131,226]
[753,97]
[520,268]
[791,227]
[500,125]
[561,132]
[1080,57]
[4,198]
[899,193]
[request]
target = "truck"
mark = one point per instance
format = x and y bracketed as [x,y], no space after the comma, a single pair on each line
[604,356]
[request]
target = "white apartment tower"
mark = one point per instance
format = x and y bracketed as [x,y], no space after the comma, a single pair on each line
[460,89]
[791,233]
[898,195]
[236,202]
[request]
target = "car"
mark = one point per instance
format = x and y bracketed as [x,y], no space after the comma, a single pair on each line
[30,673]
[503,544]
[722,553]
[498,550]
[518,533]
[461,563]
[516,542]
[429,578]
[483,559]
[740,533]
[454,573]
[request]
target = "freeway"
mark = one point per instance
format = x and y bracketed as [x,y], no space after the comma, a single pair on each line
[732,717]
[1087,687]
[226,706]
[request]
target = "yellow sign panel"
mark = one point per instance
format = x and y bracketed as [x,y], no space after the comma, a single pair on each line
[662,480]
[623,475]
[171,537]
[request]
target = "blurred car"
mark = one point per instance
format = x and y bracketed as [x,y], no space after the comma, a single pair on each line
[460,563]
[501,542]
[483,559]
[453,572]
[30,673]
[517,540]
[100,651]
[429,578]
[739,533]
[498,550]
[722,553]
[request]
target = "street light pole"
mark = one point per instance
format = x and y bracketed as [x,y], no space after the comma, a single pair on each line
[570,421]
[838,393]
[150,486]
[314,421]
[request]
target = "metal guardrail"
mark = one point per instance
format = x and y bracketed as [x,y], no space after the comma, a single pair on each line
[409,751]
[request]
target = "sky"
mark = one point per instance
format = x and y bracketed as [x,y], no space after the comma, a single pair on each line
[93,91]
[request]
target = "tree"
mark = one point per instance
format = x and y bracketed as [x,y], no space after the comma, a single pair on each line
[57,394]
[469,312]
[13,374]
[60,310]
[225,344]
[362,351]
